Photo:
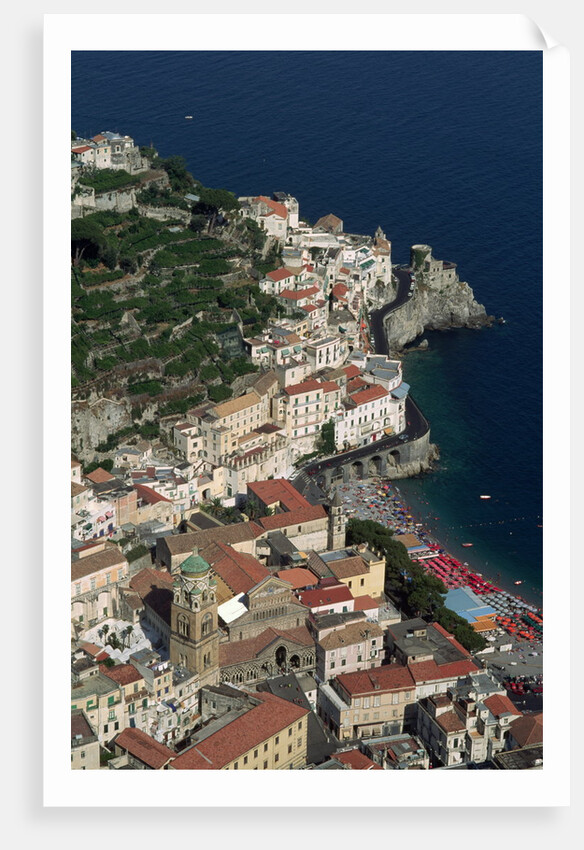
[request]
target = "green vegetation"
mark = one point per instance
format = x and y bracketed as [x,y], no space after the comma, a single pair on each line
[108,180]
[137,552]
[153,388]
[326,439]
[106,464]
[416,592]
[219,393]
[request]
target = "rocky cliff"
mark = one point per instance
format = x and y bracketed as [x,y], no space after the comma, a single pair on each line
[440,301]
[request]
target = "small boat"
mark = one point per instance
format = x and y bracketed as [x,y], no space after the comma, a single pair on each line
[466,544]
[518,582]
[484,497]
[188,117]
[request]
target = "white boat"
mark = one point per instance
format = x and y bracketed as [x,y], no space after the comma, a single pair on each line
[484,497]
[188,117]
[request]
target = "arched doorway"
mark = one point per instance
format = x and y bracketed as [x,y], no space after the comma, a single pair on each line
[295,662]
[281,655]
[393,457]
[356,470]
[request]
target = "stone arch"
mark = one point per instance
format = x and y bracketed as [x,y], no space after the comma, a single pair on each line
[393,457]
[356,470]
[295,661]
[281,656]
[337,474]
[375,465]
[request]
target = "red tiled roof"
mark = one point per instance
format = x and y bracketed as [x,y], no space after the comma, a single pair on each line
[144,748]
[450,722]
[81,149]
[501,704]
[326,596]
[356,384]
[425,671]
[275,207]
[149,495]
[364,603]
[308,308]
[389,677]
[99,475]
[457,669]
[356,760]
[278,490]
[298,577]
[339,290]
[528,729]
[123,674]
[279,274]
[344,270]
[370,394]
[239,571]
[295,517]
[146,579]
[351,371]
[244,733]
[297,294]
[312,385]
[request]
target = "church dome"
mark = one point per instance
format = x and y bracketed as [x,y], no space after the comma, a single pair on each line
[194,565]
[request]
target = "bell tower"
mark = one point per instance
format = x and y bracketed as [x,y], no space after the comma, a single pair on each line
[336,523]
[194,635]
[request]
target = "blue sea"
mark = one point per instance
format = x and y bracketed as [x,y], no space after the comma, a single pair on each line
[442,148]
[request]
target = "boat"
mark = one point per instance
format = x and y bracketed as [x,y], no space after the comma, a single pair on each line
[518,582]
[466,544]
[484,497]
[188,117]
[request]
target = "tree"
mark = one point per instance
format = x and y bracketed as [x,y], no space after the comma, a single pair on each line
[87,239]
[198,223]
[179,177]
[73,135]
[326,442]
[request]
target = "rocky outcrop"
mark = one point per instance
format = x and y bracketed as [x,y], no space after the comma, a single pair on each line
[93,421]
[440,301]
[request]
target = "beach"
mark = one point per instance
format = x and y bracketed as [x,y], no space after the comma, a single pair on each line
[517,645]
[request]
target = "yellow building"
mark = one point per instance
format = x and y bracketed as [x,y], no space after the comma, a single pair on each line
[362,570]
[270,735]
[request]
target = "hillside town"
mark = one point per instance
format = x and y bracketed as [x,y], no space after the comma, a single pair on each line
[224,615]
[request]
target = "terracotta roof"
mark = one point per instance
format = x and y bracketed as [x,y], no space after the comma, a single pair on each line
[123,674]
[528,730]
[82,149]
[372,393]
[149,495]
[450,722]
[297,294]
[295,517]
[311,385]
[457,669]
[501,704]
[234,405]
[90,648]
[148,579]
[144,748]
[326,596]
[260,723]
[308,308]
[351,371]
[239,571]
[238,532]
[298,577]
[109,557]
[357,383]
[389,677]
[344,270]
[364,603]
[76,489]
[279,274]
[425,671]
[347,567]
[275,207]
[99,475]
[278,490]
[356,760]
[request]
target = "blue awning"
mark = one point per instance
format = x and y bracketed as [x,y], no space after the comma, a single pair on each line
[401,391]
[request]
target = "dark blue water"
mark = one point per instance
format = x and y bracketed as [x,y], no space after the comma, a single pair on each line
[443,148]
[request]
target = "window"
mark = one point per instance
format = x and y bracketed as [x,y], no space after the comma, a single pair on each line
[299,742]
[277,757]
[343,662]
[300,724]
[265,765]
[332,665]
[111,715]
[245,759]
[362,582]
[265,748]
[366,702]
[357,703]
[83,751]
[236,766]
[376,701]
[255,754]
[290,748]
[277,741]
[289,732]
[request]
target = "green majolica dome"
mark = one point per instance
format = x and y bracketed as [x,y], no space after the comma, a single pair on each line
[194,565]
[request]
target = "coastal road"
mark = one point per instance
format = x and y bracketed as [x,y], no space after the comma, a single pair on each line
[377,316]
